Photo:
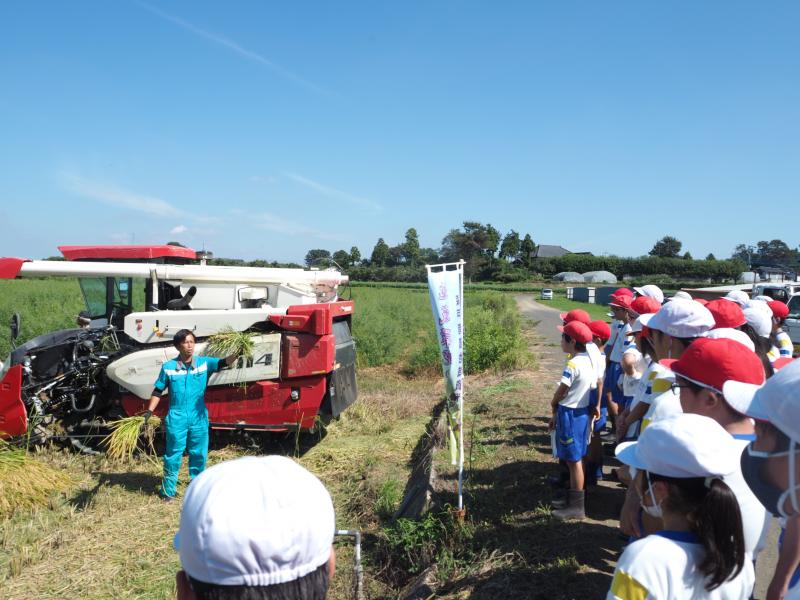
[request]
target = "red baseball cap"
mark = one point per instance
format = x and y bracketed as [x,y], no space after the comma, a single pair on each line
[578,331]
[577,314]
[779,309]
[711,363]
[600,329]
[623,292]
[645,305]
[622,301]
[726,314]
[782,362]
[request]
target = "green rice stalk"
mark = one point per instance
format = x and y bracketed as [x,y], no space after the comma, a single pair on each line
[123,440]
[229,342]
[25,482]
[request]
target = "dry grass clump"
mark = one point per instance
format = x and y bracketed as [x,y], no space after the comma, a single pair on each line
[123,440]
[229,342]
[25,482]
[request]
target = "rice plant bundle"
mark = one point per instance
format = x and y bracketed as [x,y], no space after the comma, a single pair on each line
[26,482]
[229,342]
[123,440]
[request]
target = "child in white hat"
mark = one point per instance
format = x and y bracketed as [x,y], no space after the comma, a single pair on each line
[770,464]
[699,553]
[701,374]
[256,527]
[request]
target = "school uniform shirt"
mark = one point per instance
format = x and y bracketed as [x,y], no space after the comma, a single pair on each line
[785,345]
[621,342]
[579,375]
[630,383]
[663,566]
[755,518]
[641,395]
[664,401]
[614,326]
[598,359]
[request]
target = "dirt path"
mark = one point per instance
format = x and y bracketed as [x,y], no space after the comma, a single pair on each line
[520,551]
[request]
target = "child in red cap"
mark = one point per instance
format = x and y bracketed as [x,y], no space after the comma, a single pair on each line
[593,467]
[782,343]
[571,414]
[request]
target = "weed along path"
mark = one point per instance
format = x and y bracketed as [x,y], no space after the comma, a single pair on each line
[510,546]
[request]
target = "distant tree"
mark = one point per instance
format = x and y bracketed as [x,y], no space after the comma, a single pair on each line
[175,244]
[355,256]
[666,247]
[342,258]
[428,256]
[744,253]
[492,241]
[316,255]
[510,248]
[775,252]
[380,254]
[687,255]
[711,256]
[411,247]
[527,249]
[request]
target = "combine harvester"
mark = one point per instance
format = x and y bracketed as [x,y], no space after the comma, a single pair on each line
[65,383]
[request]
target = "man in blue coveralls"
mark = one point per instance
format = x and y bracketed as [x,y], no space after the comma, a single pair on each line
[187,419]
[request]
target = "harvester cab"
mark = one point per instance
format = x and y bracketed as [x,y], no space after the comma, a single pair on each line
[137,297]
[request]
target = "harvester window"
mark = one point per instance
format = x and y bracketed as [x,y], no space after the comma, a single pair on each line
[94,294]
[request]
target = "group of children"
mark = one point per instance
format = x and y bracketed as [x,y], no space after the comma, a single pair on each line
[697,397]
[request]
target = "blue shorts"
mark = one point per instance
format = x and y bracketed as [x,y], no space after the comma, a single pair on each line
[626,402]
[601,421]
[572,432]
[611,382]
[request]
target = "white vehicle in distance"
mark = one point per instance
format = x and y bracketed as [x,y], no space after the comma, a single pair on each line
[547,294]
[792,324]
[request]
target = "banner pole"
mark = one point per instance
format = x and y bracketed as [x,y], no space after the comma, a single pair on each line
[461,395]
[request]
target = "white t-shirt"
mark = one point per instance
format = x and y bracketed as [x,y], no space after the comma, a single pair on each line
[755,518]
[641,394]
[598,359]
[785,345]
[621,342]
[614,332]
[664,401]
[658,568]
[579,375]
[630,383]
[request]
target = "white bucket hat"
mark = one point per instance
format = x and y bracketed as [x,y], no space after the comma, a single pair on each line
[653,291]
[732,334]
[741,298]
[683,446]
[683,319]
[255,521]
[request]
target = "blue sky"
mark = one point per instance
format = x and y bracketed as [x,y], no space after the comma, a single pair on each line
[264,129]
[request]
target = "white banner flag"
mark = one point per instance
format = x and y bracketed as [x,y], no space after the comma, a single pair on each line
[446,287]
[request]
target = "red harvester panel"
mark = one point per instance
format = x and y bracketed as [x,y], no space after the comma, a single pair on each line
[303,354]
[261,404]
[13,416]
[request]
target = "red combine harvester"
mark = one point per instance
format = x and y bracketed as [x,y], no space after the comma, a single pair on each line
[62,383]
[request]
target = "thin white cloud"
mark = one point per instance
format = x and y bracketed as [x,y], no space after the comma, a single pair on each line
[326,190]
[271,222]
[178,229]
[114,195]
[238,49]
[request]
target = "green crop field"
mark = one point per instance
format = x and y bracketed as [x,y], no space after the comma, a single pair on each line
[392,326]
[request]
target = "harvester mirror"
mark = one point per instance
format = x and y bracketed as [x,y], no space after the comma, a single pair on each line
[15,326]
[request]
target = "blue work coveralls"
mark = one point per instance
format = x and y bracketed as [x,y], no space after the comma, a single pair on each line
[187,419]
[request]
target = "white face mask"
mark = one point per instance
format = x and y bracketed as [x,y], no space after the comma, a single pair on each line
[654,510]
[791,491]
